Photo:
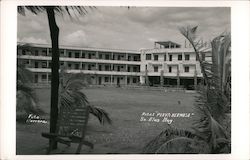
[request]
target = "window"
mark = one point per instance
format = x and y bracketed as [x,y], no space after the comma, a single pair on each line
[61,53]
[83,66]
[49,78]
[186,69]
[155,68]
[70,55]
[106,68]
[165,57]
[156,57]
[49,65]
[36,52]
[44,64]
[106,56]
[134,80]
[187,57]
[146,66]
[106,79]
[170,57]
[23,52]
[148,56]
[44,77]
[44,52]
[134,69]
[128,81]
[100,56]
[170,69]
[100,68]
[36,64]
[69,65]
[89,67]
[62,63]
[83,55]
[77,55]
[179,57]
[76,66]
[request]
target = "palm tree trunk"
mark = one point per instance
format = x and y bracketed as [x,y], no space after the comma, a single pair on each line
[54,34]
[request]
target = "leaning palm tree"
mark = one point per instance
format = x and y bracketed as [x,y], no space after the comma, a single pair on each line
[54,35]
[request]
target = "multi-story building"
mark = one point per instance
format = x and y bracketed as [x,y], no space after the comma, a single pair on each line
[165,65]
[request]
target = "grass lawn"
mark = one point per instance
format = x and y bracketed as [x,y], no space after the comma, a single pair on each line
[127,134]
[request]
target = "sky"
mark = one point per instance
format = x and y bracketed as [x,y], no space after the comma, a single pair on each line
[123,28]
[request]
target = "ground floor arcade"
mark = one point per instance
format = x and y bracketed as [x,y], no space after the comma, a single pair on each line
[180,82]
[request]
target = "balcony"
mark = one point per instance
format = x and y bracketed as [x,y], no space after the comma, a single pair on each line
[47,70]
[80,60]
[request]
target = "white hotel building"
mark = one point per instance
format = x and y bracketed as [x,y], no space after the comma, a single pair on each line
[167,64]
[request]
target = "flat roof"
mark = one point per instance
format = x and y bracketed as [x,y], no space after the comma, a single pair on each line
[168,43]
[24,44]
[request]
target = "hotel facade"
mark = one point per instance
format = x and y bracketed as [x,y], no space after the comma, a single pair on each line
[167,64]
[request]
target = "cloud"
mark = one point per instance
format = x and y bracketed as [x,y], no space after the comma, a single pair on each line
[77,38]
[33,40]
[120,27]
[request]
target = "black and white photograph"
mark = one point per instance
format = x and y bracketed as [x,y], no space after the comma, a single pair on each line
[130,80]
[123,80]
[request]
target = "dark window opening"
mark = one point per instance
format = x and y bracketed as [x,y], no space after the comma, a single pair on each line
[156,57]
[106,79]
[186,69]
[187,57]
[169,69]
[77,54]
[70,55]
[148,56]
[179,57]
[170,57]
[155,68]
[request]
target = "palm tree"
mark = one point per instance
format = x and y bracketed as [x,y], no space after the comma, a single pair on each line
[71,86]
[208,134]
[54,35]
[26,99]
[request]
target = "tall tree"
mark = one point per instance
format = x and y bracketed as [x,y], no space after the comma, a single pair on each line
[54,35]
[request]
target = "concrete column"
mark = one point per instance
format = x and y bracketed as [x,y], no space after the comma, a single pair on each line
[47,77]
[96,55]
[65,53]
[80,67]
[125,79]
[47,49]
[142,79]
[178,77]
[195,79]
[80,54]
[162,78]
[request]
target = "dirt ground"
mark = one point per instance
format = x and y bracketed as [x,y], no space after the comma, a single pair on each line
[127,134]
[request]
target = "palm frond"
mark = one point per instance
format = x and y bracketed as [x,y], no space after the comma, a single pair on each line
[71,11]
[101,114]
[169,134]
[23,74]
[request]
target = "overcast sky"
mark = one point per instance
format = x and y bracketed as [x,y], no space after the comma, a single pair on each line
[122,28]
